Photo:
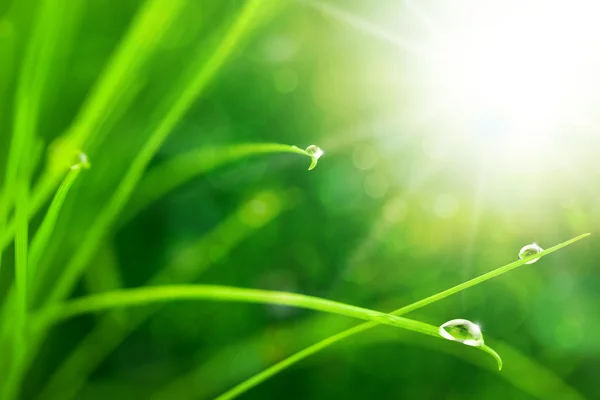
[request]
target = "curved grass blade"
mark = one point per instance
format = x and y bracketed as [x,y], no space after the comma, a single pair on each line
[191,87]
[42,236]
[152,22]
[164,178]
[216,372]
[48,25]
[11,384]
[150,295]
[315,348]
[39,243]
[185,266]
[36,249]
[112,91]
[175,111]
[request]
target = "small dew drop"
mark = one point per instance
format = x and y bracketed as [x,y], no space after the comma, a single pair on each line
[82,162]
[530,250]
[64,154]
[462,331]
[315,153]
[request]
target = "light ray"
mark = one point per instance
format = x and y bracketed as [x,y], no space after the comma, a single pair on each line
[369,28]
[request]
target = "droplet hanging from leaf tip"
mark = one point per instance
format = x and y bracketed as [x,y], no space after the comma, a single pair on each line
[315,152]
[530,250]
[462,331]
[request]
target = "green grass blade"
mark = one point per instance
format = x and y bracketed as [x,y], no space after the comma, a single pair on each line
[109,214]
[216,372]
[50,27]
[155,294]
[38,245]
[32,78]
[150,295]
[39,196]
[186,266]
[24,153]
[20,315]
[315,348]
[484,277]
[173,173]
[151,23]
[113,90]
[27,104]
[42,236]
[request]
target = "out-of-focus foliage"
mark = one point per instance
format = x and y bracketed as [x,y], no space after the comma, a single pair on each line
[403,204]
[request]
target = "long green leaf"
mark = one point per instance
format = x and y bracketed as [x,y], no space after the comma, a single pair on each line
[186,266]
[315,348]
[109,214]
[164,178]
[11,385]
[112,92]
[151,23]
[38,245]
[217,372]
[156,294]
[42,236]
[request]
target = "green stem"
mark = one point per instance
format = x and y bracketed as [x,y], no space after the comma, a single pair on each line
[176,111]
[40,194]
[315,348]
[41,238]
[36,249]
[151,24]
[186,266]
[181,169]
[483,278]
[21,317]
[151,295]
[120,77]
[154,294]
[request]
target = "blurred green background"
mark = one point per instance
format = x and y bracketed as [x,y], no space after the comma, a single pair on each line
[425,183]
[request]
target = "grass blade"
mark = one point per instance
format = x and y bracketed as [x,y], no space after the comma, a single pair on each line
[186,266]
[151,23]
[112,91]
[150,295]
[217,372]
[108,215]
[42,236]
[315,348]
[181,169]
[20,317]
[37,247]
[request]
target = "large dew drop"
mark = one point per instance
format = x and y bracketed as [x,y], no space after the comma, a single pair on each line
[315,153]
[530,250]
[463,331]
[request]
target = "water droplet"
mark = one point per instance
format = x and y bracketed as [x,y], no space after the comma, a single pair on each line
[463,331]
[64,154]
[82,162]
[530,250]
[315,153]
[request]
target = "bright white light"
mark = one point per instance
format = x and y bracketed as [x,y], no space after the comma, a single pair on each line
[516,68]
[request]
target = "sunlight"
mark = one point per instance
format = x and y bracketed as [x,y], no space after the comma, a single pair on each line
[514,70]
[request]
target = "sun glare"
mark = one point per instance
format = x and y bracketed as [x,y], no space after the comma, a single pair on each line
[514,69]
